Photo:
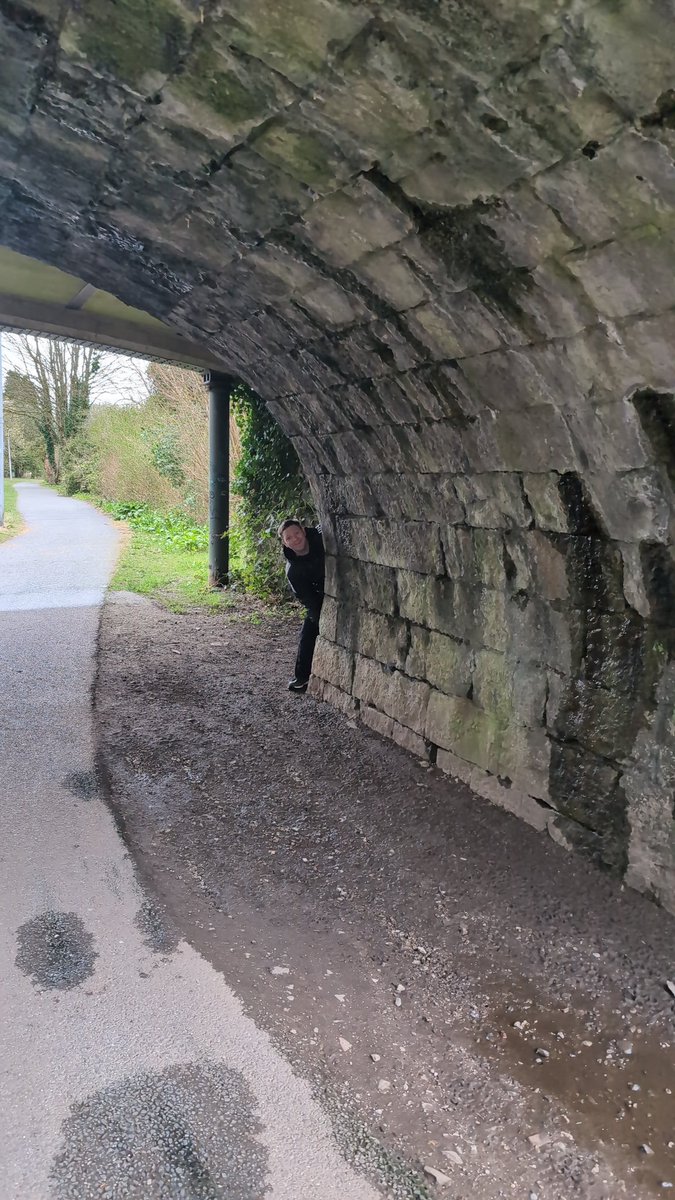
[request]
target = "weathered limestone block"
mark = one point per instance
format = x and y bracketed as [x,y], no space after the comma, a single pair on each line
[359,584]
[536,440]
[379,349]
[294,39]
[632,507]
[506,379]
[312,156]
[460,726]
[331,304]
[617,651]
[528,229]
[439,447]
[492,678]
[475,556]
[599,720]
[359,451]
[373,634]
[414,596]
[392,692]
[442,661]
[649,344]
[379,91]
[334,664]
[515,692]
[409,740]
[525,759]
[411,496]
[392,277]
[541,633]
[389,728]
[625,185]
[493,501]
[545,502]
[457,329]
[634,582]
[475,615]
[426,169]
[482,617]
[498,792]
[586,788]
[547,560]
[376,720]
[410,544]
[353,222]
[635,275]
[141,49]
[634,62]
[329,619]
[553,303]
[321,690]
[648,788]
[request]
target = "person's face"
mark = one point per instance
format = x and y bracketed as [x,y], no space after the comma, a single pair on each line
[295,538]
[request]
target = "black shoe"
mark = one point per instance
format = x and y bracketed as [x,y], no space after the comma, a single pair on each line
[298,685]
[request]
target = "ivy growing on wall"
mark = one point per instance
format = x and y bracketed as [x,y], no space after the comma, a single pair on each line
[270,484]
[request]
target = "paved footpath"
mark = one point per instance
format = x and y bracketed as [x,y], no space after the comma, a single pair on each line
[127,1071]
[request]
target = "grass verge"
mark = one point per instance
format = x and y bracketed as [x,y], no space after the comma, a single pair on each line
[164,556]
[13,523]
[177,577]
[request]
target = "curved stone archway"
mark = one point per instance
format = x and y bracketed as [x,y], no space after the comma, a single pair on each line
[439,240]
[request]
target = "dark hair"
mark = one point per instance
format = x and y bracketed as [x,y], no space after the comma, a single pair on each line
[287,523]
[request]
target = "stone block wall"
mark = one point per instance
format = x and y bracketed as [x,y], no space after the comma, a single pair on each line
[440,241]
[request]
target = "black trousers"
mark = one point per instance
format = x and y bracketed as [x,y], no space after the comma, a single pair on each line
[308,636]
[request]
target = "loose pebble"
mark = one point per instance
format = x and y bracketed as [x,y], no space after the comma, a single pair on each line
[539,1139]
[437,1176]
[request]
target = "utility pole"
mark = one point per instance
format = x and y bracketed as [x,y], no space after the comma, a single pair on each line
[2,440]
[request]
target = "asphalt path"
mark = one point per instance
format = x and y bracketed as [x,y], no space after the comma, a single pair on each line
[128,1067]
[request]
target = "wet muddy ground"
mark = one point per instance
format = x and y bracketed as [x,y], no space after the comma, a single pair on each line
[483,1015]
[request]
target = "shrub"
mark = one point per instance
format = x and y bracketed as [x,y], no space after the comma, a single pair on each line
[268,479]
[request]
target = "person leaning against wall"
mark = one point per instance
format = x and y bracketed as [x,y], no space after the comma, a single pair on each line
[305,567]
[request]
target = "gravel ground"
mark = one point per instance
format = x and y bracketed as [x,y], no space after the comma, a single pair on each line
[483,1015]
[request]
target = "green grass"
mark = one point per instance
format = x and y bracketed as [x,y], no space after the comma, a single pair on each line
[175,576]
[12,523]
[165,557]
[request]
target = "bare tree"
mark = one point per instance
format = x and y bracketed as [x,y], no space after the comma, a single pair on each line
[183,405]
[56,383]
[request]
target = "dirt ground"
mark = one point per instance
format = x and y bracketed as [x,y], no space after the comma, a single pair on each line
[483,1015]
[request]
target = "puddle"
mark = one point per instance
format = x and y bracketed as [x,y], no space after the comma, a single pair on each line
[615,1081]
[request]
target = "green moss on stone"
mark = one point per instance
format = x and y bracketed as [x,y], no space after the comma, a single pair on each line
[129,38]
[305,156]
[219,88]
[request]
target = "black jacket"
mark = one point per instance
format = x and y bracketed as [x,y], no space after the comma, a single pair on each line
[305,572]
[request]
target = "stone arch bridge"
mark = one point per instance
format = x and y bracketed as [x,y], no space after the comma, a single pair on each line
[438,237]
